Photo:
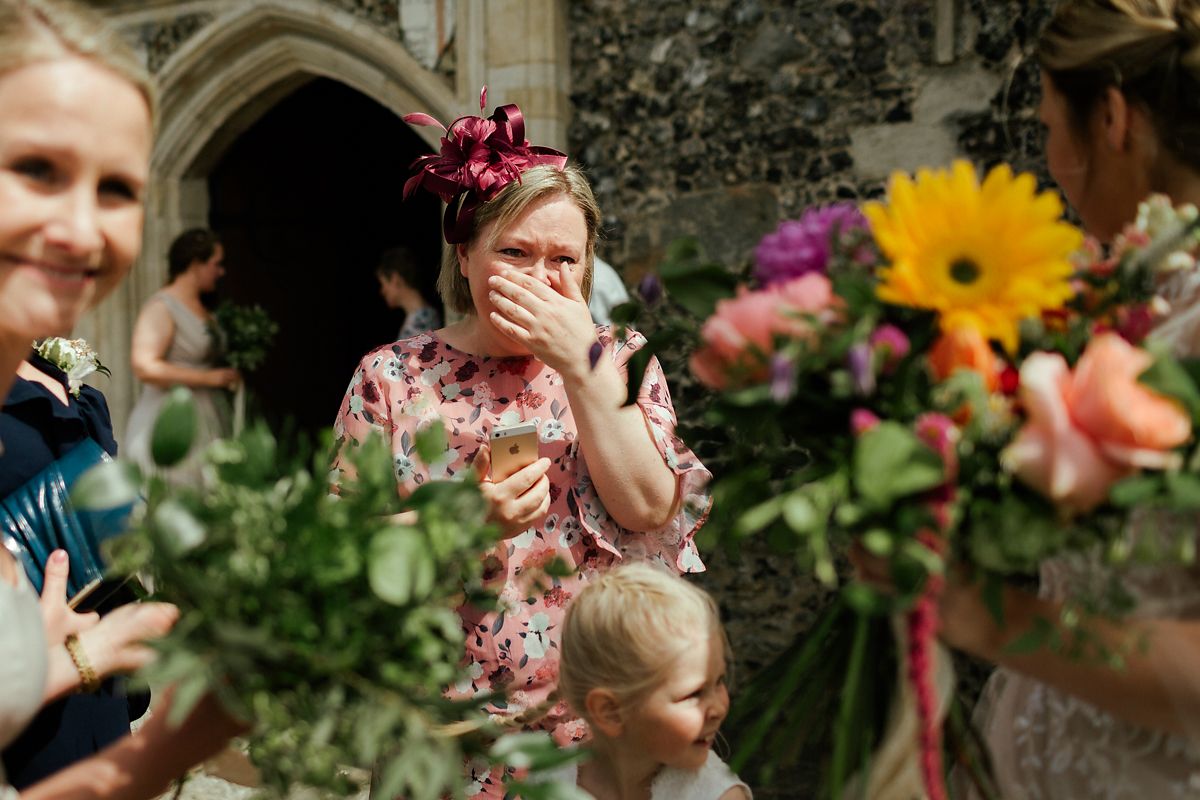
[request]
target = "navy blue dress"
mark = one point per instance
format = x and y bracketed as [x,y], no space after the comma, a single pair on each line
[36,430]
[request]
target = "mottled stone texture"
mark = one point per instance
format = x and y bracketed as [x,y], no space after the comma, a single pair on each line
[678,100]
[383,14]
[160,40]
[721,117]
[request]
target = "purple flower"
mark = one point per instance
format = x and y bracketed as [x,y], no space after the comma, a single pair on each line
[650,289]
[783,378]
[862,370]
[799,247]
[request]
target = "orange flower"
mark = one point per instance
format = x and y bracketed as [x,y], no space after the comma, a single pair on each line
[964,347]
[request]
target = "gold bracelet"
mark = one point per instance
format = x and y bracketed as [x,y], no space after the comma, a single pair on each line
[88,681]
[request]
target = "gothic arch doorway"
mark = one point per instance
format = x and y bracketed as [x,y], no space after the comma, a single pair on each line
[305,200]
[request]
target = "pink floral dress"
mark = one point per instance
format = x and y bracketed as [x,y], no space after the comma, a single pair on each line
[401,385]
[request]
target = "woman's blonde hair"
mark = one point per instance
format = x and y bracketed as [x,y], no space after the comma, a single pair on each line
[1149,49]
[503,209]
[627,628]
[33,31]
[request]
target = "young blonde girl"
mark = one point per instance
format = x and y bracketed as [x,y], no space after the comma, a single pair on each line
[644,663]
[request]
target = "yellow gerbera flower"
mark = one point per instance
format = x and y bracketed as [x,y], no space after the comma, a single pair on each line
[985,256]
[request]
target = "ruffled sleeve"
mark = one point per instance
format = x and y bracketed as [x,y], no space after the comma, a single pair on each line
[365,412]
[672,543]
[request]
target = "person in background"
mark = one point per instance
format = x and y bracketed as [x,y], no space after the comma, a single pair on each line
[398,281]
[608,292]
[174,345]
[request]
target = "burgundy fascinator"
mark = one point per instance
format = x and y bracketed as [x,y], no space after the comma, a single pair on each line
[479,158]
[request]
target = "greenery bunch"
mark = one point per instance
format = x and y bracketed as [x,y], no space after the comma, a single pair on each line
[246,335]
[320,618]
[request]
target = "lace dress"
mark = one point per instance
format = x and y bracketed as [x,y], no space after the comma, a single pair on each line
[1049,744]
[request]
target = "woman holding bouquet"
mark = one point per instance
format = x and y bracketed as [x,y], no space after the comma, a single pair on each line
[1121,108]
[612,481]
[75,138]
[173,346]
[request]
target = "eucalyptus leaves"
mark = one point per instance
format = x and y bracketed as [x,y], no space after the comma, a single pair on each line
[319,617]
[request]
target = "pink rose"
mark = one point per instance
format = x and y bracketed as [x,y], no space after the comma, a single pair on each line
[739,338]
[892,343]
[1087,430]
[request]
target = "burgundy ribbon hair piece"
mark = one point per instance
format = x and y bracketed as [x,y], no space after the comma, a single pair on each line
[479,157]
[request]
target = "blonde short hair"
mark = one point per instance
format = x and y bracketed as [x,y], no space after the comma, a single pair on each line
[34,31]
[1149,49]
[536,184]
[627,628]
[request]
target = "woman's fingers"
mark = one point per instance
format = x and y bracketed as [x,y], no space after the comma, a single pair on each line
[514,312]
[54,580]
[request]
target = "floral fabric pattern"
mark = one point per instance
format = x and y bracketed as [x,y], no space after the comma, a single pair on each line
[402,386]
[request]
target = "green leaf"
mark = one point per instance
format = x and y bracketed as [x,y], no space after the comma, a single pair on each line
[175,429]
[401,569]
[108,485]
[993,597]
[188,693]
[890,463]
[759,517]
[1185,491]
[801,515]
[431,441]
[1135,491]
[636,373]
[1168,377]
[1040,634]
[180,532]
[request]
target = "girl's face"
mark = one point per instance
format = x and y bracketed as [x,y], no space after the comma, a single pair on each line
[75,143]
[676,725]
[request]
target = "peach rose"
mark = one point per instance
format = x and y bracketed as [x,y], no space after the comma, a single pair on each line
[1134,425]
[1087,430]
[739,338]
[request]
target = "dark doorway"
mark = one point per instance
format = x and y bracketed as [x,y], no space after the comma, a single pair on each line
[305,201]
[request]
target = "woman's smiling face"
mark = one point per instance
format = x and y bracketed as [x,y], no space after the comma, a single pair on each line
[75,142]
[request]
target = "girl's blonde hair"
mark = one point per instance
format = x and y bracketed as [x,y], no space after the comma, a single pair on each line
[33,31]
[1149,49]
[626,629]
[503,209]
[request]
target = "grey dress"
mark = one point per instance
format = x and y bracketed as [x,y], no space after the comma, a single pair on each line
[191,346]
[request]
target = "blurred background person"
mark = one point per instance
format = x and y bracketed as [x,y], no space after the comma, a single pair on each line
[398,274]
[175,344]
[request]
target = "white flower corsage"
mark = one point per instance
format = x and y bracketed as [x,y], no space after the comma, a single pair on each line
[74,357]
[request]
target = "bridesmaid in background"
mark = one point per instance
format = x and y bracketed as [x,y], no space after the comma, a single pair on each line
[173,345]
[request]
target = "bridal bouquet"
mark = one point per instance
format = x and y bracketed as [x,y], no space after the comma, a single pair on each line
[322,620]
[950,375]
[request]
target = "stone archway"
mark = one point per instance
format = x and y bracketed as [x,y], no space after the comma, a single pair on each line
[247,57]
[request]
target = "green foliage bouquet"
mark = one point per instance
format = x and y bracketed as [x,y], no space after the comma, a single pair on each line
[246,334]
[319,618]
